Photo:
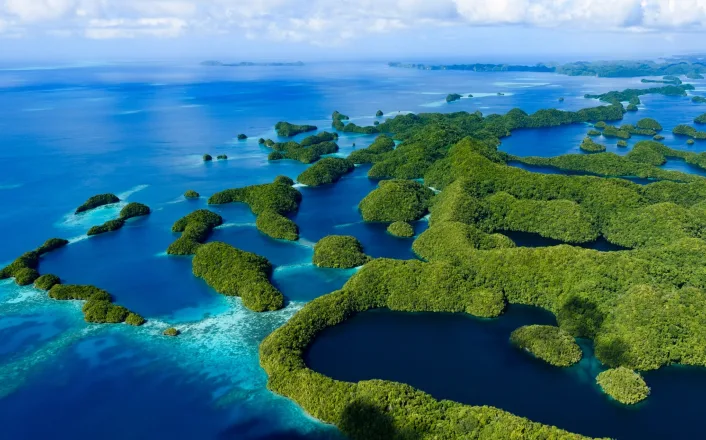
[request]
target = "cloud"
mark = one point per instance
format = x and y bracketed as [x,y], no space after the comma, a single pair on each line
[328,22]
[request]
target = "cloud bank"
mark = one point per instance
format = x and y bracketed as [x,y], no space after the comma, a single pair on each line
[327,22]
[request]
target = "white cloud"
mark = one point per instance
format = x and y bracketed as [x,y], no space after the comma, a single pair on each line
[330,21]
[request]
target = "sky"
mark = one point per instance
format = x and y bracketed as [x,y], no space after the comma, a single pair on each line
[403,30]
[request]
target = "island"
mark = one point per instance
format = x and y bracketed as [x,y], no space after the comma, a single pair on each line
[269,202]
[171,331]
[195,229]
[96,201]
[701,119]
[623,385]
[548,343]
[453,97]
[191,194]
[207,158]
[698,100]
[589,146]
[396,200]
[242,137]
[24,269]
[131,210]
[98,307]
[285,129]
[401,229]
[379,113]
[339,252]
[234,272]
[326,171]
[222,157]
[309,150]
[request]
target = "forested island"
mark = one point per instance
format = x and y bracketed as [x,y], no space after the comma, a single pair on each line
[624,300]
[608,69]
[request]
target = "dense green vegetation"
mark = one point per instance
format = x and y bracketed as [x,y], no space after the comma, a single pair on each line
[690,142]
[396,200]
[109,226]
[623,385]
[311,152]
[24,268]
[698,100]
[242,137]
[325,171]
[381,145]
[622,144]
[589,146]
[273,200]
[548,343]
[379,113]
[701,119]
[658,137]
[46,282]
[171,331]
[96,201]
[233,272]
[594,132]
[628,94]
[222,157]
[324,136]
[285,129]
[631,108]
[191,194]
[195,229]
[401,229]
[615,132]
[277,226]
[453,97]
[134,209]
[649,124]
[686,130]
[99,307]
[339,252]
[643,307]
[207,158]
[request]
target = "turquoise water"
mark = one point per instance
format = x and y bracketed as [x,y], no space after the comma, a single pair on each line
[139,131]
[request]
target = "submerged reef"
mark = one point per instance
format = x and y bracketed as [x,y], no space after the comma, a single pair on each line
[233,272]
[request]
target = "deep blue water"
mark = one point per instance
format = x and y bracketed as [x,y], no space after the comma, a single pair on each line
[139,131]
[470,360]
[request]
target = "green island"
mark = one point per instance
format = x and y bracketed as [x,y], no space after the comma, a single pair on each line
[668,79]
[658,137]
[622,144]
[339,252]
[453,97]
[96,201]
[401,229]
[379,113]
[631,108]
[649,124]
[396,200]
[99,307]
[207,158]
[623,385]
[698,100]
[590,146]
[642,161]
[233,272]
[311,152]
[625,301]
[191,194]
[222,157]
[242,137]
[686,130]
[171,331]
[548,343]
[382,144]
[606,69]
[46,282]
[195,229]
[701,119]
[629,94]
[269,202]
[285,129]
[690,142]
[24,269]
[326,171]
[131,210]
[314,139]
[593,132]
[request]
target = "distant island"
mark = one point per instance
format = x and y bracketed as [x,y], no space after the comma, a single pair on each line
[607,69]
[213,63]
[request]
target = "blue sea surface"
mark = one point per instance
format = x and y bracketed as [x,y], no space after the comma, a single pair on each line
[139,131]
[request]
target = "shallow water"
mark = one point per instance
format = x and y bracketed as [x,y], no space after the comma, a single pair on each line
[139,131]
